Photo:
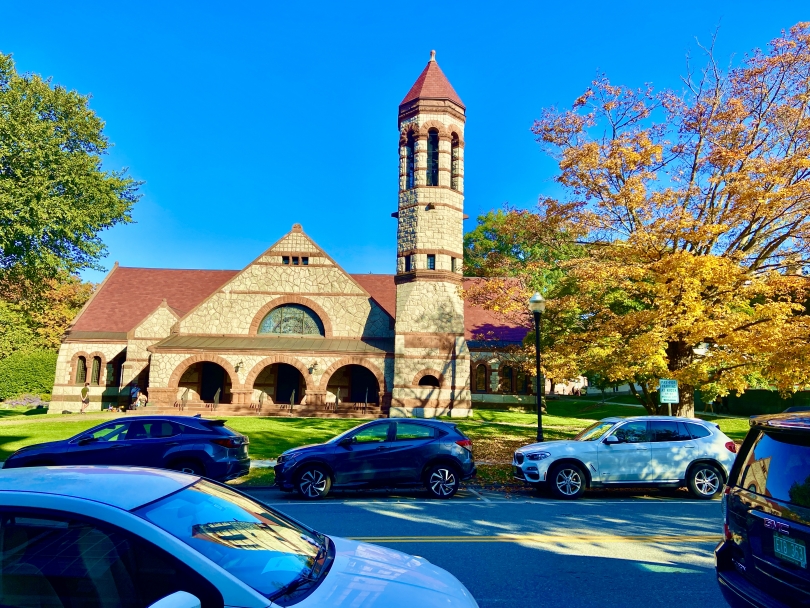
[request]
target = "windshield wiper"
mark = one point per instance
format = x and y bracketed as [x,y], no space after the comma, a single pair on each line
[302,579]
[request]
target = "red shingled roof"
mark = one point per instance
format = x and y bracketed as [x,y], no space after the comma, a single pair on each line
[477,321]
[432,84]
[130,294]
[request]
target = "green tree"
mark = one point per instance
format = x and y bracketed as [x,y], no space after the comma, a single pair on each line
[55,197]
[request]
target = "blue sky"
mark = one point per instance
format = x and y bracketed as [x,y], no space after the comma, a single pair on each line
[245,117]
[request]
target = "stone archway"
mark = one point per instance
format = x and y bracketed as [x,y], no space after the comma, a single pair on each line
[174,379]
[353,361]
[429,372]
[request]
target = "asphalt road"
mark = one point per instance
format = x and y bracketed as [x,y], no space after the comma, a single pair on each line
[601,551]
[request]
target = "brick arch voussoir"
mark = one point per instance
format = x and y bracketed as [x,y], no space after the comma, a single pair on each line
[362,362]
[267,361]
[429,372]
[174,379]
[74,361]
[444,133]
[291,299]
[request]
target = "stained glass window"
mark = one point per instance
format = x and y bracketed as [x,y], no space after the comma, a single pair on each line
[291,319]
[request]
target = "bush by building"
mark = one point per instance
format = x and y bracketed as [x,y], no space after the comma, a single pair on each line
[27,372]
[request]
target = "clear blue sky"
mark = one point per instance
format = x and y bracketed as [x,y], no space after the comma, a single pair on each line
[245,117]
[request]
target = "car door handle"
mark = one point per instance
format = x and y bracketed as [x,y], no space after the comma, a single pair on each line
[173,443]
[381,448]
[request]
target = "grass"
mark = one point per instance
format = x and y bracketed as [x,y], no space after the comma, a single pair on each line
[495,433]
[20,411]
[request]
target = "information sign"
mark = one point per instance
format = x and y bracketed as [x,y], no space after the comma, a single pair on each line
[668,391]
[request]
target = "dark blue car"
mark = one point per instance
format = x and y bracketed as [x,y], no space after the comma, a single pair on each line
[384,453]
[194,445]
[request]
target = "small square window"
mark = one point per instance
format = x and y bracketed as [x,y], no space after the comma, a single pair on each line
[407,263]
[431,262]
[295,260]
[305,261]
[454,264]
[285,259]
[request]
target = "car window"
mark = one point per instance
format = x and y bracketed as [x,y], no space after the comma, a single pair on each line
[151,430]
[595,431]
[632,432]
[116,431]
[63,560]
[251,541]
[778,466]
[407,431]
[371,434]
[668,430]
[697,431]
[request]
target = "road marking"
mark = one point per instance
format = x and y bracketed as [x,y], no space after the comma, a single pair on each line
[543,538]
[479,495]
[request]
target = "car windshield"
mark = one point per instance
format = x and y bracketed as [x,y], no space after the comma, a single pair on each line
[252,542]
[595,431]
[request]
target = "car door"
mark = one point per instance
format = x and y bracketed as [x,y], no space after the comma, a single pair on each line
[410,450]
[671,450]
[629,459]
[103,445]
[148,441]
[363,458]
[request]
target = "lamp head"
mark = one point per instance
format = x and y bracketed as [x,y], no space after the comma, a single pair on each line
[537,303]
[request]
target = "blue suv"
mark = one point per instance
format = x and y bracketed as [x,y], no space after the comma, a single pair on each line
[193,445]
[383,454]
[762,560]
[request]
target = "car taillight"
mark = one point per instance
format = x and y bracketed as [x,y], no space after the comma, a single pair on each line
[228,442]
[731,447]
[724,507]
[465,443]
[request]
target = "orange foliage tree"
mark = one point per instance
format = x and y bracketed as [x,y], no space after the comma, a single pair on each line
[692,212]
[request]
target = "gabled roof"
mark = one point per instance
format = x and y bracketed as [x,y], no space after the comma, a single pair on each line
[432,84]
[129,295]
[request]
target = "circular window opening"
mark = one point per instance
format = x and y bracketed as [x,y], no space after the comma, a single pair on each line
[429,381]
[292,319]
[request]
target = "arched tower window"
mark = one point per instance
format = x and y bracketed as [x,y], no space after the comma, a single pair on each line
[433,157]
[95,374]
[81,370]
[410,161]
[455,163]
[292,319]
[481,378]
[429,380]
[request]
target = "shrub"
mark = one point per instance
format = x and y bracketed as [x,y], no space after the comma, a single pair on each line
[31,372]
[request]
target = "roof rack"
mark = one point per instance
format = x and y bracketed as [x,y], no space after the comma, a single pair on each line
[795,423]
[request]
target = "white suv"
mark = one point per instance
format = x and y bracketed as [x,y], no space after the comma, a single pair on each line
[652,451]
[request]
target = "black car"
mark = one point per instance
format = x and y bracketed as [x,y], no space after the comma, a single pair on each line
[383,453]
[762,560]
[194,445]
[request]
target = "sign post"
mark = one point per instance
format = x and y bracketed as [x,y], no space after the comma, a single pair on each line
[668,393]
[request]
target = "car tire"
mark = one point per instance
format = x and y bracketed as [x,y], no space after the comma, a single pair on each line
[442,480]
[566,481]
[313,482]
[705,481]
[190,467]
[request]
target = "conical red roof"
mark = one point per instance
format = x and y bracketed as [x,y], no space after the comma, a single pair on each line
[432,84]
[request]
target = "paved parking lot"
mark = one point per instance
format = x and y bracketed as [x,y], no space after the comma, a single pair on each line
[527,550]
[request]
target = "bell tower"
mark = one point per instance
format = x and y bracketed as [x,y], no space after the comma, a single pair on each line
[432,363]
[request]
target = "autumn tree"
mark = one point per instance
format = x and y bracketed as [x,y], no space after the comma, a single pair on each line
[55,196]
[694,211]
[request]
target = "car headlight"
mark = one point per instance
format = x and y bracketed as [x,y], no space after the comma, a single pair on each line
[537,455]
[286,458]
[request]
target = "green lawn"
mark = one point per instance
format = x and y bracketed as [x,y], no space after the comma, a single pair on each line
[495,433]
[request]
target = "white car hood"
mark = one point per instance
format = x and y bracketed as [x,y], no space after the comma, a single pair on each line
[546,446]
[365,575]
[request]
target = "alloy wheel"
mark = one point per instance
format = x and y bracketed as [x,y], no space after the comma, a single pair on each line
[442,482]
[313,483]
[707,482]
[568,481]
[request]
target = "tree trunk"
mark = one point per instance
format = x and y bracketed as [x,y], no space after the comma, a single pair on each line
[679,355]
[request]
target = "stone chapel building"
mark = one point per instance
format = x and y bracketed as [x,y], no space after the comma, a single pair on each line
[293,331]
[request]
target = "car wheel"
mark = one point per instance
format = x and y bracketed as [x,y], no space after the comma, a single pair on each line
[313,482]
[190,467]
[442,481]
[705,481]
[566,481]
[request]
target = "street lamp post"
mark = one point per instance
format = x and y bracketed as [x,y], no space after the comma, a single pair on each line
[537,305]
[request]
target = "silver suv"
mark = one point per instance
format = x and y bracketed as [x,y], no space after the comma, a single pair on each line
[651,451]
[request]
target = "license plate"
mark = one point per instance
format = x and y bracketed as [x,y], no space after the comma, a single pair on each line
[790,550]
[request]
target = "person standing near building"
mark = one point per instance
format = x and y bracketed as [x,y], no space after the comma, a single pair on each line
[133,394]
[85,396]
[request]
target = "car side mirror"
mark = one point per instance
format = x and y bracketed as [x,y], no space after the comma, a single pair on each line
[346,441]
[86,440]
[611,440]
[178,599]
